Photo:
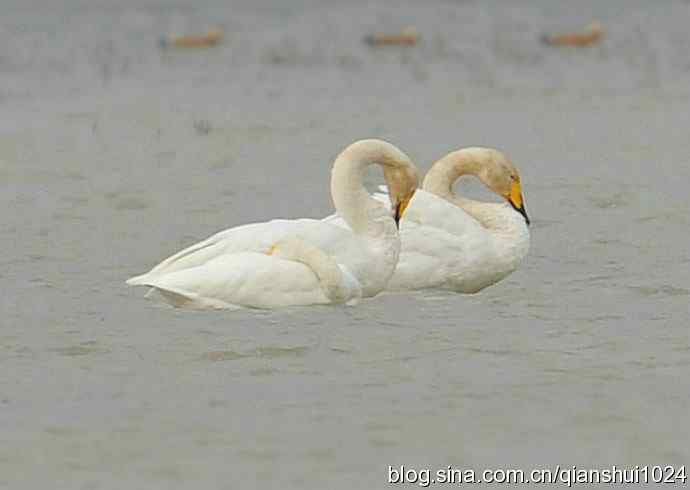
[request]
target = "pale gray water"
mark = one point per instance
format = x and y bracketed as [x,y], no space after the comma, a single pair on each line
[580,358]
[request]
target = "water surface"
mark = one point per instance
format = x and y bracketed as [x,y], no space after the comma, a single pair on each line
[114,155]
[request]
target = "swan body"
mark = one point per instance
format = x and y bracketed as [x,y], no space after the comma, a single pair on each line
[304,261]
[454,243]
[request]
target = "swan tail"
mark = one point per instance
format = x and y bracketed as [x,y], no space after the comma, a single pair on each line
[172,295]
[193,301]
[190,256]
[246,238]
[177,297]
[141,280]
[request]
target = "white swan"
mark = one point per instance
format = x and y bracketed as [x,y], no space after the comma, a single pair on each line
[304,261]
[455,243]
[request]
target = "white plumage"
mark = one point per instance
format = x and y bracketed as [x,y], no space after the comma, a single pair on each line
[298,262]
[449,242]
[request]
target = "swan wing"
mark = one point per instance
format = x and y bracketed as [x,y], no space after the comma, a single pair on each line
[432,211]
[364,268]
[245,279]
[257,280]
[251,237]
[336,281]
[433,257]
[442,246]
[258,237]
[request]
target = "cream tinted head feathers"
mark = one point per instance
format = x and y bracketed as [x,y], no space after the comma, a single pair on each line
[402,183]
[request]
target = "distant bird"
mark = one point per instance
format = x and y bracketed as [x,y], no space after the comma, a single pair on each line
[592,34]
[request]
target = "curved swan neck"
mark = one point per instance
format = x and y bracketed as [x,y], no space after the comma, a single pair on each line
[445,172]
[350,198]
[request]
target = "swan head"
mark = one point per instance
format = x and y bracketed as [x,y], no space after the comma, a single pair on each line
[402,181]
[500,176]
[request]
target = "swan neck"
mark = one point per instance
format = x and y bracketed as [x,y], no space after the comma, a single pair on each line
[350,198]
[444,173]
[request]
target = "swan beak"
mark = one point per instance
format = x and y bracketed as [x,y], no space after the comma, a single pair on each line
[515,200]
[400,209]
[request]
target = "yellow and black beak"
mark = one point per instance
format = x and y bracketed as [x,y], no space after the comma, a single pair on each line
[515,200]
[400,209]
